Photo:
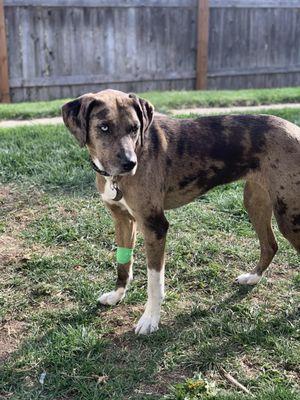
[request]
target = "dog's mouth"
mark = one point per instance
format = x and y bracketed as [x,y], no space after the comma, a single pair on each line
[105,173]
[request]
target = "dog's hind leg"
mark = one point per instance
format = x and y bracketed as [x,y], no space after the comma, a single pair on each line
[287,214]
[125,232]
[258,204]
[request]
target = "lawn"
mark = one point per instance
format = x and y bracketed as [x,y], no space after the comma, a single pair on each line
[291,114]
[57,253]
[167,100]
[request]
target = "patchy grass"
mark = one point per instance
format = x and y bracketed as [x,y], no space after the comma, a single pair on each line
[167,100]
[61,255]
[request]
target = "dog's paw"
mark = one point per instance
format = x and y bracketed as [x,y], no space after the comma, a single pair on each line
[112,298]
[148,323]
[248,279]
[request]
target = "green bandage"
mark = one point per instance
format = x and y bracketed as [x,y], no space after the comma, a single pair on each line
[124,255]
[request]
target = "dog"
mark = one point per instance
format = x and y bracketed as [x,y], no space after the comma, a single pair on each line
[147,163]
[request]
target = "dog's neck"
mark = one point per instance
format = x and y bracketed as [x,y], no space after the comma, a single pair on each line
[114,192]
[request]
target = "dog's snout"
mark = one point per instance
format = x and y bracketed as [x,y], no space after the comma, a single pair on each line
[129,165]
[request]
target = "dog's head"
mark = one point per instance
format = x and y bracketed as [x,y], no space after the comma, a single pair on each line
[112,124]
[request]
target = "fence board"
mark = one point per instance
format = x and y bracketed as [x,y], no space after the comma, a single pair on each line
[255,3]
[90,79]
[101,3]
[253,47]
[62,48]
[4,80]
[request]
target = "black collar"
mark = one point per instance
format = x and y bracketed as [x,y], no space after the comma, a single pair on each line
[94,166]
[119,193]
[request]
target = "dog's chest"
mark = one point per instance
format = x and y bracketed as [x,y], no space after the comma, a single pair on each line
[110,193]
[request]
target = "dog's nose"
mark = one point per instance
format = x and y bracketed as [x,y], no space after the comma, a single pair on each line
[129,165]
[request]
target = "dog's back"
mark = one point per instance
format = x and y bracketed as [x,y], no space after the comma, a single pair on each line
[262,149]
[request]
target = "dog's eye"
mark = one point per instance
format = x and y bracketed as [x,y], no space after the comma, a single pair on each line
[104,128]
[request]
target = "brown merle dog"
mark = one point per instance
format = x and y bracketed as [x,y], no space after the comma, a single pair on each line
[149,163]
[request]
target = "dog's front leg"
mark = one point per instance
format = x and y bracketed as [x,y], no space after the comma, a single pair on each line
[125,232]
[155,231]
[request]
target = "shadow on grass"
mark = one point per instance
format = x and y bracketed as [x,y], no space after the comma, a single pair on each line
[77,349]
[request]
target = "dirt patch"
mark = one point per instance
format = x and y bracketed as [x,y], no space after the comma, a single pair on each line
[11,334]
[17,210]
[249,367]
[11,250]
[279,271]
[13,200]
[120,319]
[163,382]
[5,192]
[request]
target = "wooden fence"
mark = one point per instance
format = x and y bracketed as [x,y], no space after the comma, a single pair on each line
[63,48]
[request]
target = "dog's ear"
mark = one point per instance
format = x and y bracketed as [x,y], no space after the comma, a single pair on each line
[144,111]
[76,116]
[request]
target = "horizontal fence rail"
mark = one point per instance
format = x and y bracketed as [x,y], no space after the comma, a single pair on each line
[63,48]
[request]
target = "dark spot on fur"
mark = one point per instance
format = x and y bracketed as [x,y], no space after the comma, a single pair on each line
[102,114]
[169,162]
[236,141]
[280,206]
[181,146]
[298,183]
[158,224]
[123,275]
[187,180]
[296,230]
[154,140]
[281,187]
[296,219]
[74,108]
[274,166]
[225,148]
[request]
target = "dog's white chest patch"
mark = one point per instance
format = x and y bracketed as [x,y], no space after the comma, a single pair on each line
[110,193]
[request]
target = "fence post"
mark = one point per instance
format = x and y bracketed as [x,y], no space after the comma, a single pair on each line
[202,44]
[4,79]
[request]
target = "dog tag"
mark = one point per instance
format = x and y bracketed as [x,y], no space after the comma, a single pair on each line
[112,192]
[119,194]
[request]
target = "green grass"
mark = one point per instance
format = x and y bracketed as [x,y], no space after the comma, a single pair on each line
[59,255]
[167,100]
[38,109]
[290,114]
[222,98]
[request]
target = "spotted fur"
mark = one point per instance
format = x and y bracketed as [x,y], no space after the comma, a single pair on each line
[175,162]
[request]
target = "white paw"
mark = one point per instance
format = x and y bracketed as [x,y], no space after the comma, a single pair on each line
[148,323]
[248,279]
[112,298]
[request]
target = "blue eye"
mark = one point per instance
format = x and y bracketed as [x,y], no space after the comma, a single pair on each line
[104,128]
